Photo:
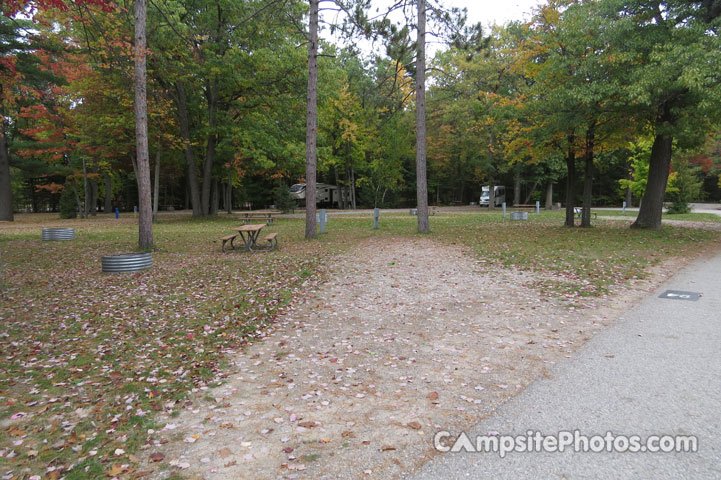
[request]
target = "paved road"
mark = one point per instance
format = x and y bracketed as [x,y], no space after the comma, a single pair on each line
[657,371]
[713,208]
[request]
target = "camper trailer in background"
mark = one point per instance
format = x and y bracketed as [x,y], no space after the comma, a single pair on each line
[325,195]
[500,195]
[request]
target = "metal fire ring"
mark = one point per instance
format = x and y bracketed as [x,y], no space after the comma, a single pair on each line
[52,234]
[127,262]
[519,215]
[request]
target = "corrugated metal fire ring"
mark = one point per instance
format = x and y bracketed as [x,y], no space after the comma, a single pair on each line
[52,234]
[127,262]
[519,215]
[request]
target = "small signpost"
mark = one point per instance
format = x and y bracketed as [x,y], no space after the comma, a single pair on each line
[624,207]
[504,209]
[680,295]
[538,207]
[376,214]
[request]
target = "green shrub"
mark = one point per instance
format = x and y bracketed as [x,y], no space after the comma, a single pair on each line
[283,201]
[68,203]
[685,186]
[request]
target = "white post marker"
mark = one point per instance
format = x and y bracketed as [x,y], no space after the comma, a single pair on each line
[321,217]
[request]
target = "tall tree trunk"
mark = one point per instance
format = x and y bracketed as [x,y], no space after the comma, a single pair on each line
[311,121]
[79,206]
[211,95]
[491,156]
[341,190]
[352,186]
[108,193]
[214,197]
[570,182]
[189,157]
[462,189]
[530,193]
[229,194]
[86,191]
[156,181]
[223,195]
[549,195]
[6,193]
[35,201]
[651,208]
[421,177]
[588,178]
[517,184]
[145,210]
[93,197]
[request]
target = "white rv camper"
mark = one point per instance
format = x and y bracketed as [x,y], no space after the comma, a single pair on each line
[325,195]
[500,195]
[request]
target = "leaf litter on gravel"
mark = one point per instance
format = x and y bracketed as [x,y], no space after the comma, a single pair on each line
[89,361]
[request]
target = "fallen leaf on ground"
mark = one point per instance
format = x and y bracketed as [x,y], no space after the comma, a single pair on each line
[114,470]
[157,457]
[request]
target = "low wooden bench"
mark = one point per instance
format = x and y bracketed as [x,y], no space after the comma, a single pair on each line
[523,205]
[228,238]
[247,217]
[272,238]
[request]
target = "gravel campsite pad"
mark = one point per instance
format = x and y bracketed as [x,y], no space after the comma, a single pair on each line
[407,337]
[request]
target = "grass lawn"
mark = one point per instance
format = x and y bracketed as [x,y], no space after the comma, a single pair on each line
[693,217]
[88,358]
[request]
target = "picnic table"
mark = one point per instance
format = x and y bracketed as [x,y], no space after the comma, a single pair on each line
[247,217]
[249,235]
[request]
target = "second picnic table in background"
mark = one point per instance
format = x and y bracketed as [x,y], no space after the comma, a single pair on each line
[247,217]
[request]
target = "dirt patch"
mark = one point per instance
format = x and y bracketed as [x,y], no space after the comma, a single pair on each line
[406,338]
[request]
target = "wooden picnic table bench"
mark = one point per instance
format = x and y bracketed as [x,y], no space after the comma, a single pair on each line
[272,239]
[247,217]
[228,238]
[249,235]
[523,205]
